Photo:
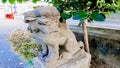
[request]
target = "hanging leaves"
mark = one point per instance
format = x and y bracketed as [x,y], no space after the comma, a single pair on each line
[19,1]
[65,15]
[76,17]
[97,16]
[34,1]
[80,15]
[109,1]
[4,1]
[24,0]
[118,2]
[11,1]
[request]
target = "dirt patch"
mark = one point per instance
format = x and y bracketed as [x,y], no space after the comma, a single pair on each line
[98,63]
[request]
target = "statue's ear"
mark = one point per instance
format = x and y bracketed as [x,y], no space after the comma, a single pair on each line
[29,16]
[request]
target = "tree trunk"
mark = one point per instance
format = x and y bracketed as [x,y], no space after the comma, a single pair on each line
[85,34]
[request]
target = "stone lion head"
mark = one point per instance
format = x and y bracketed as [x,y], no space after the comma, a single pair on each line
[44,19]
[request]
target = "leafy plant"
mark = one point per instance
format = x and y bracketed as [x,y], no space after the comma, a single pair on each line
[29,50]
[19,1]
[4,1]
[11,1]
[35,1]
[23,44]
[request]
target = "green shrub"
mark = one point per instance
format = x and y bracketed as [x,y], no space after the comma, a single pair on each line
[24,45]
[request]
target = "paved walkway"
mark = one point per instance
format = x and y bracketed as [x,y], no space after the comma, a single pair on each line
[7,58]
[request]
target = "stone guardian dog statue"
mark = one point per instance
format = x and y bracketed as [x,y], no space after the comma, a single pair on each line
[58,42]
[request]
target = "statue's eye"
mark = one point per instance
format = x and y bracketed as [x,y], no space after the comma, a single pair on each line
[28,21]
[41,23]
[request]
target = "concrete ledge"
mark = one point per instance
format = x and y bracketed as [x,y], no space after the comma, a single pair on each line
[99,32]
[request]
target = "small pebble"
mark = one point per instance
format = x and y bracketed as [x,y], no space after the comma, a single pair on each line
[9,59]
[20,63]
[1,51]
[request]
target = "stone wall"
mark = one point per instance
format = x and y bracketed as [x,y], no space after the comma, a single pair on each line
[104,44]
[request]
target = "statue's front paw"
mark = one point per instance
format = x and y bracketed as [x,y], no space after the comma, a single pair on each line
[66,55]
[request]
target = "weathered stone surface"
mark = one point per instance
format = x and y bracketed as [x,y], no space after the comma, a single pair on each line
[82,61]
[60,48]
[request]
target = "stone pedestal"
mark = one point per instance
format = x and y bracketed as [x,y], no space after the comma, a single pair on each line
[78,62]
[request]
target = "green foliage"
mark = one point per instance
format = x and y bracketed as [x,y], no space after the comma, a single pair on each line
[97,16]
[34,1]
[65,15]
[4,1]
[85,9]
[28,50]
[11,1]
[19,1]
[76,16]
[80,15]
[118,2]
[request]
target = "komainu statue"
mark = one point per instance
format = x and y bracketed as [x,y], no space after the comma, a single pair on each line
[60,48]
